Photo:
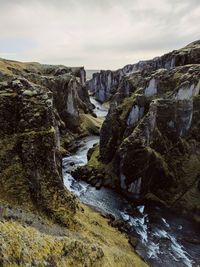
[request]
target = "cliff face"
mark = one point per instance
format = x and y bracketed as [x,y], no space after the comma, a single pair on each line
[149,138]
[158,140]
[30,170]
[38,104]
[67,85]
[105,83]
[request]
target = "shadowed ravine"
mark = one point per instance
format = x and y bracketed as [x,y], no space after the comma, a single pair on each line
[164,237]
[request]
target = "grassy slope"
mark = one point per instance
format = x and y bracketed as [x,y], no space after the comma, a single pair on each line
[90,124]
[6,64]
[91,242]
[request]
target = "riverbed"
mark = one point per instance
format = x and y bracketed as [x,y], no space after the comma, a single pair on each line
[164,238]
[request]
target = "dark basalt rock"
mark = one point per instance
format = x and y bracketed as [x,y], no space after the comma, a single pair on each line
[30,170]
[133,241]
[38,103]
[70,96]
[67,84]
[150,136]
[106,83]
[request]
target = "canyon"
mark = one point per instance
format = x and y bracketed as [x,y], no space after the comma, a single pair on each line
[149,139]
[44,110]
[102,171]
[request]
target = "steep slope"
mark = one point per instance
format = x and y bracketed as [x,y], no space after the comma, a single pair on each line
[70,96]
[67,85]
[30,170]
[41,223]
[149,142]
[105,83]
[30,240]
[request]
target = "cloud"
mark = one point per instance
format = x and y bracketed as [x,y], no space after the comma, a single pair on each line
[95,33]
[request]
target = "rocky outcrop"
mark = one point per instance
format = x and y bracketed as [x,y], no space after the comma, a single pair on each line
[149,138]
[41,223]
[70,98]
[30,171]
[42,107]
[105,83]
[154,118]
[178,85]
[67,85]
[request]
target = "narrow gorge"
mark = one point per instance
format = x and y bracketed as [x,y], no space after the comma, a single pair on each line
[149,152]
[102,171]
[44,110]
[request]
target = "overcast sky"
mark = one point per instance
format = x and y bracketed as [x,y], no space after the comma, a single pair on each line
[99,34]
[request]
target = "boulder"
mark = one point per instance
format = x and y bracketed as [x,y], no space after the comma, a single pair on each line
[133,241]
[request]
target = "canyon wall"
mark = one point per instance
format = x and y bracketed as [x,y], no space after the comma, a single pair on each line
[41,222]
[39,105]
[104,84]
[149,140]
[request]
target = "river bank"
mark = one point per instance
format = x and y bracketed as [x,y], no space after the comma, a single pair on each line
[163,239]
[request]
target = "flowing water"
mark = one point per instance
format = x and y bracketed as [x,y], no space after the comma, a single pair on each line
[163,236]
[100,110]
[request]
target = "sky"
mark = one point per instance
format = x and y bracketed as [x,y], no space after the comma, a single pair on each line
[97,34]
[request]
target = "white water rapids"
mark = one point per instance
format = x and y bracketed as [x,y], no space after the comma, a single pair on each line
[161,234]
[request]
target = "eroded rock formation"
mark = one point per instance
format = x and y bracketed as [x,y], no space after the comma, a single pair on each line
[105,83]
[39,104]
[41,223]
[30,170]
[150,136]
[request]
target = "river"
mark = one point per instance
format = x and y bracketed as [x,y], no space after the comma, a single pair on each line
[164,238]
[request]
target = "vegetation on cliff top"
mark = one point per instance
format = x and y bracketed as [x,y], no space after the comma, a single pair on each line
[41,223]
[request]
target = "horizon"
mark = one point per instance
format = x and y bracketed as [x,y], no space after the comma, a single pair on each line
[94,69]
[92,35]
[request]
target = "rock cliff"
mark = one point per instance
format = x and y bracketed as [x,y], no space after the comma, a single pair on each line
[105,83]
[41,223]
[42,108]
[30,170]
[149,138]
[67,85]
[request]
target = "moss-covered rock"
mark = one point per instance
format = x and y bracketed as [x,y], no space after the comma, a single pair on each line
[41,223]
[42,113]
[90,124]
[30,171]
[105,83]
[150,136]
[67,85]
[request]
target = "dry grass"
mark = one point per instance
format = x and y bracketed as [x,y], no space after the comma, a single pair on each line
[117,251]
[90,242]
[6,66]
[90,124]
